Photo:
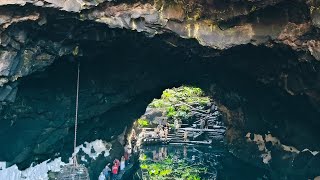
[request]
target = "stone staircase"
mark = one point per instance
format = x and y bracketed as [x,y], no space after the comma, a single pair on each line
[195,134]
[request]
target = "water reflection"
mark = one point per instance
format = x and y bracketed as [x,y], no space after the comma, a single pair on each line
[192,163]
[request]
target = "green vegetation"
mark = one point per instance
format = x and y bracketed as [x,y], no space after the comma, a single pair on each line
[143,157]
[193,177]
[177,102]
[159,103]
[168,169]
[143,122]
[171,112]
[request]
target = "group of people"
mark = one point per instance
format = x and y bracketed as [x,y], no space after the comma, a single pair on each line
[118,166]
[162,131]
[204,123]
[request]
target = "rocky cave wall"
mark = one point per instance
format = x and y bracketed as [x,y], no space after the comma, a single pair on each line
[220,25]
[257,59]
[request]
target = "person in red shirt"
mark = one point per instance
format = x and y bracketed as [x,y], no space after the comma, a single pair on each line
[115,169]
[117,162]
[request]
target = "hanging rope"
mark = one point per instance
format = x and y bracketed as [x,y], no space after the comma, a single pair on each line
[75,163]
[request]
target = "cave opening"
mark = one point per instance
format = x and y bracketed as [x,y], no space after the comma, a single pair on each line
[122,72]
[173,137]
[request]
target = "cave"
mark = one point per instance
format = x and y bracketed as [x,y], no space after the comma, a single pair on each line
[266,87]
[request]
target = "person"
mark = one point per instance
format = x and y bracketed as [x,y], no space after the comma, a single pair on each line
[115,169]
[202,124]
[160,127]
[167,125]
[117,162]
[126,148]
[129,150]
[161,133]
[106,172]
[134,143]
[213,108]
[185,135]
[126,157]
[206,123]
[133,138]
[143,133]
[176,124]
[135,149]
[122,163]
[101,176]
[156,132]
[166,132]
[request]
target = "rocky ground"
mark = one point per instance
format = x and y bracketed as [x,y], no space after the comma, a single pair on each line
[259,60]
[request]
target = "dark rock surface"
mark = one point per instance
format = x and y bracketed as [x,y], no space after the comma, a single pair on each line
[219,25]
[258,59]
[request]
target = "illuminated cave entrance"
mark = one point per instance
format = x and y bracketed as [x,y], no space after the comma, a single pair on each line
[181,136]
[240,92]
[169,130]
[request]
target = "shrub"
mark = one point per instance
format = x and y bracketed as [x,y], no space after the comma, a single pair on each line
[193,177]
[171,112]
[143,122]
[167,94]
[157,103]
[184,108]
